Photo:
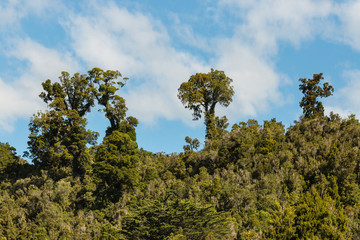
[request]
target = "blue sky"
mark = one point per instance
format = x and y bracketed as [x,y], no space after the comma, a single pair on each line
[265,46]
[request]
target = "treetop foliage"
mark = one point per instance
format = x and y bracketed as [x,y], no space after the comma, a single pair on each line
[58,138]
[311,90]
[205,90]
[71,93]
[202,92]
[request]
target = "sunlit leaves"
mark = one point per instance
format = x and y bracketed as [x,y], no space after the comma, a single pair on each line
[159,219]
[202,92]
[312,91]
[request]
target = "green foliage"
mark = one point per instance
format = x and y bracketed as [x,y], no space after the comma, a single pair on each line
[7,156]
[114,166]
[254,182]
[325,147]
[72,93]
[202,92]
[162,219]
[11,165]
[193,144]
[58,141]
[318,216]
[221,125]
[282,223]
[104,85]
[58,137]
[311,90]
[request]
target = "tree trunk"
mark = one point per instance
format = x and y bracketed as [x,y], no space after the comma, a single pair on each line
[210,124]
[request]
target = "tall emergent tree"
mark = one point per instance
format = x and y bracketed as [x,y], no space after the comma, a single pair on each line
[202,92]
[104,85]
[311,90]
[58,137]
[116,157]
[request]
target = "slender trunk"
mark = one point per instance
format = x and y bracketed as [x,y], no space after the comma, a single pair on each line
[210,124]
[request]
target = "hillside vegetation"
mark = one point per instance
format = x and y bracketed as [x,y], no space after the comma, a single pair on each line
[250,181]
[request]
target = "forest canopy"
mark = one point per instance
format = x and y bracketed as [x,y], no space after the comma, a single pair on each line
[250,181]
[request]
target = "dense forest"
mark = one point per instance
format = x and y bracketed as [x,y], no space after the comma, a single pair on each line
[250,181]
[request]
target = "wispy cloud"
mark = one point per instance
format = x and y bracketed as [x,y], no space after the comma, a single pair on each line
[265,23]
[13,105]
[349,19]
[20,97]
[140,47]
[346,99]
[13,11]
[256,83]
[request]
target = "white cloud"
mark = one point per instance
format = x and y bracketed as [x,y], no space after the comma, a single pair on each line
[352,90]
[344,113]
[266,22]
[13,11]
[255,81]
[346,100]
[349,18]
[13,105]
[42,62]
[140,47]
[21,95]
